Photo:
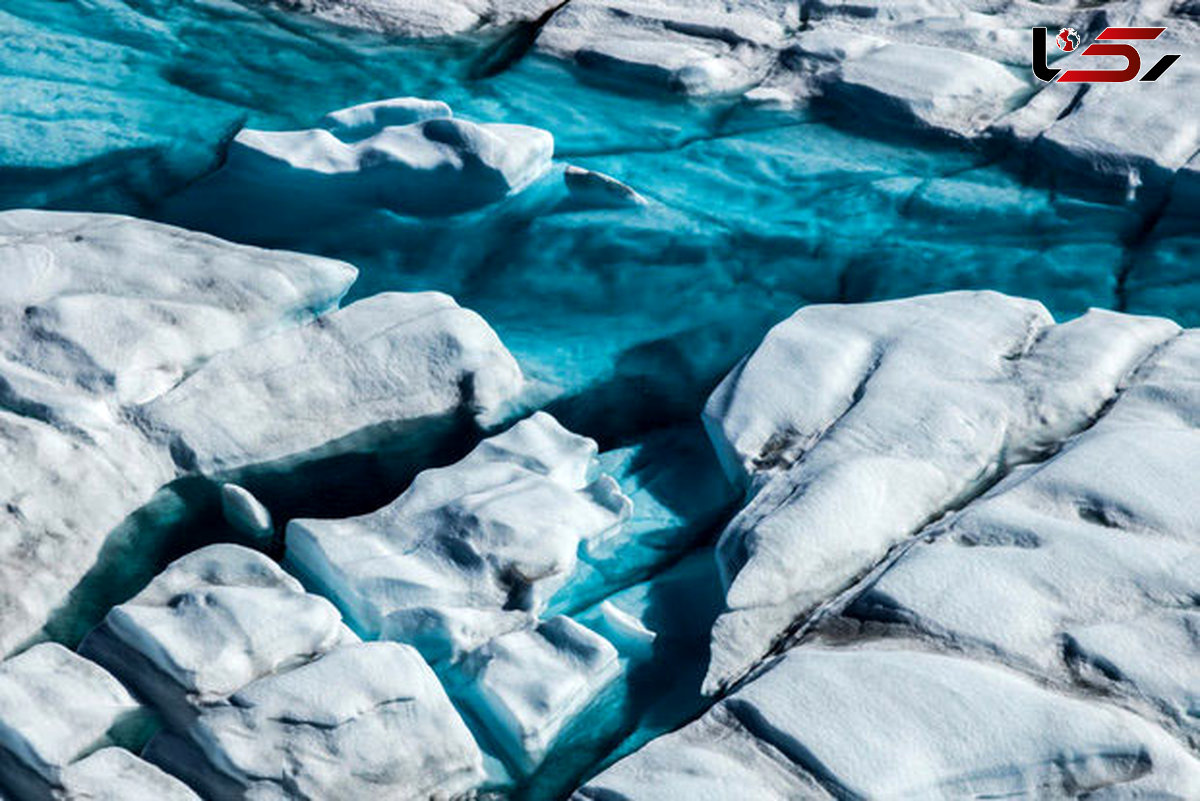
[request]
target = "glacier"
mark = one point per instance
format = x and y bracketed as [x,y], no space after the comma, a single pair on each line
[595,399]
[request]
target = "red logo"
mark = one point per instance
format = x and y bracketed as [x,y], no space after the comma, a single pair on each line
[1067,40]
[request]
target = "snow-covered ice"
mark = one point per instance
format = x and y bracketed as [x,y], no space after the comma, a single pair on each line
[874,723]
[211,623]
[364,721]
[1083,567]
[388,365]
[527,685]
[122,372]
[469,551]
[114,774]
[854,426]
[56,707]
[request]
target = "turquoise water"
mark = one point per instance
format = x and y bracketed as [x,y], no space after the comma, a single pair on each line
[627,316]
[630,314]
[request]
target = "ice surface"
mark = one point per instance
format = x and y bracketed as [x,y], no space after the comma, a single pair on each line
[245,512]
[56,707]
[435,166]
[426,18]
[469,551]
[955,728]
[628,284]
[404,361]
[679,495]
[114,774]
[525,686]
[1084,567]
[365,720]
[121,372]
[211,623]
[97,312]
[848,453]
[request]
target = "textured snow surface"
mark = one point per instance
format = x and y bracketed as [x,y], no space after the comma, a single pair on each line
[364,721]
[114,774]
[1084,567]
[954,728]
[399,360]
[98,313]
[56,707]
[211,623]
[124,369]
[927,548]
[526,685]
[856,425]
[471,550]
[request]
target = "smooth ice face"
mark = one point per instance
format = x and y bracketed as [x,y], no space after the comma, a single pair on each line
[527,685]
[404,361]
[469,551]
[1082,567]
[854,426]
[211,623]
[363,721]
[114,774]
[961,728]
[55,707]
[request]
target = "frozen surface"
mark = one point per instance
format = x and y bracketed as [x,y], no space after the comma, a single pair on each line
[404,361]
[961,728]
[122,372]
[471,550]
[631,193]
[56,707]
[1084,567]
[211,623]
[854,426]
[97,313]
[525,686]
[114,774]
[365,720]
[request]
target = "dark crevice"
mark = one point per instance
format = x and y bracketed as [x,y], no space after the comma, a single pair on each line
[513,47]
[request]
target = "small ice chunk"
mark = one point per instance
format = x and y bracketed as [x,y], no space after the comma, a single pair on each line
[245,512]
[528,685]
[56,706]
[211,623]
[364,721]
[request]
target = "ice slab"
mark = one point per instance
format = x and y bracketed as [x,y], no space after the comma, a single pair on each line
[117,329]
[390,363]
[874,723]
[55,708]
[211,623]
[469,551]
[364,720]
[855,426]
[1081,568]
[527,685]
[114,774]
